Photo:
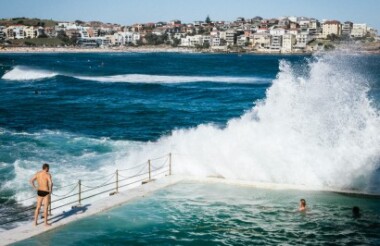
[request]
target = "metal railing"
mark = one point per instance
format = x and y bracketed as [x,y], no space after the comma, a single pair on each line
[81,190]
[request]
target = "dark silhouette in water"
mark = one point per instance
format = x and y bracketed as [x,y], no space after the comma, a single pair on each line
[356,212]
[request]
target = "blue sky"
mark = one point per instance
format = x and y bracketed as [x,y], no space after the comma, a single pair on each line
[133,11]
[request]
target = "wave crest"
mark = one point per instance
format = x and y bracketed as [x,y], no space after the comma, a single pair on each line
[21,73]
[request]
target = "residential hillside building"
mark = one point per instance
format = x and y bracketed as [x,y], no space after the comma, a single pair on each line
[288,42]
[231,37]
[359,30]
[332,27]
[30,32]
[347,28]
[276,42]
[15,32]
[260,41]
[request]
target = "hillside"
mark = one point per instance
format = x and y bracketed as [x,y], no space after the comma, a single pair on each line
[27,22]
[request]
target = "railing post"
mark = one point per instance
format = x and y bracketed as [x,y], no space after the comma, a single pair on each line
[80,192]
[117,181]
[50,205]
[170,163]
[149,166]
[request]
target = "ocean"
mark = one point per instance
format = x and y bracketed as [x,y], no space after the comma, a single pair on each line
[297,119]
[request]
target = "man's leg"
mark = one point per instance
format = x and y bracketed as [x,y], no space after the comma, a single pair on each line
[38,207]
[46,208]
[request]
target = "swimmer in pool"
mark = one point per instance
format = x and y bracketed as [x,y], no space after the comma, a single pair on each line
[44,189]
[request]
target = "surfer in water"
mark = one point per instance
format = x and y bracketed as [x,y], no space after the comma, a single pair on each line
[44,189]
[302,207]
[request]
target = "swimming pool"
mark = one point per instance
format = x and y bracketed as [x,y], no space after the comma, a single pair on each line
[192,213]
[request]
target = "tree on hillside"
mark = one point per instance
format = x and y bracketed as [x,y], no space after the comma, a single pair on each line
[153,39]
[208,20]
[79,22]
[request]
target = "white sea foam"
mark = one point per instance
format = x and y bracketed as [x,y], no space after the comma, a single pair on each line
[21,73]
[162,79]
[317,129]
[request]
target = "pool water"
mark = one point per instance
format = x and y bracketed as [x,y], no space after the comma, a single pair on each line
[191,213]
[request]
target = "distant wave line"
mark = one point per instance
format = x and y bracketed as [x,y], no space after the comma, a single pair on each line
[21,73]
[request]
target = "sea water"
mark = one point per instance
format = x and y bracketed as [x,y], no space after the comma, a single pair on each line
[218,214]
[311,120]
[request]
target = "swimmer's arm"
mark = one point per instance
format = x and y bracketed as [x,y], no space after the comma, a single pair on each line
[50,181]
[32,181]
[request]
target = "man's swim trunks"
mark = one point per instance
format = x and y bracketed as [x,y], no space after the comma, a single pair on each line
[42,193]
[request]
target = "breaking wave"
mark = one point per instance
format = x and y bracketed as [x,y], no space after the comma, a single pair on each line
[318,128]
[21,73]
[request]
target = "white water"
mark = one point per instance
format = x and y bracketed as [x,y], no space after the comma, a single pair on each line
[318,129]
[21,73]
[155,79]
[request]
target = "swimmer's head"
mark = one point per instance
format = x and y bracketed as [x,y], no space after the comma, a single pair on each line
[303,202]
[356,212]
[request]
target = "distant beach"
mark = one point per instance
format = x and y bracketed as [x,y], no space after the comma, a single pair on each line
[166,49]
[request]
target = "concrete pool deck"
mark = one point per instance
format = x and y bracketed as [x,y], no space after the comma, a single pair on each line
[26,231]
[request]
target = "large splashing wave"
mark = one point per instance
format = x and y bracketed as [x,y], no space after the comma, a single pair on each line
[317,128]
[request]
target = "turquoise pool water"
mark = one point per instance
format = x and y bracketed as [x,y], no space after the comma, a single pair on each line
[192,213]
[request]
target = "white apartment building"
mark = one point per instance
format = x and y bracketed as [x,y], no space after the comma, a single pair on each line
[242,40]
[313,24]
[276,42]
[331,27]
[15,32]
[132,37]
[30,32]
[260,40]
[277,31]
[214,32]
[288,41]
[191,41]
[302,39]
[206,39]
[347,28]
[359,30]
[84,34]
[231,37]
[304,23]
[223,35]
[215,41]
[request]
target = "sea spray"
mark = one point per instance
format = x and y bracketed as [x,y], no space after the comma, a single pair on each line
[22,73]
[316,129]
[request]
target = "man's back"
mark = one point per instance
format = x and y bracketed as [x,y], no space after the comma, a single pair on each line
[43,180]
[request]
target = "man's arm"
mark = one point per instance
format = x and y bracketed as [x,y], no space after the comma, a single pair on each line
[50,182]
[32,181]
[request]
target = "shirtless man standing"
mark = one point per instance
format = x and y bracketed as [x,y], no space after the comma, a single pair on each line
[44,189]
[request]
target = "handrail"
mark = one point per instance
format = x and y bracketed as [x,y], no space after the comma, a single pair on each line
[119,179]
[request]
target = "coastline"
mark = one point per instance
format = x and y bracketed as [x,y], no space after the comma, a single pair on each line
[144,49]
[373,48]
